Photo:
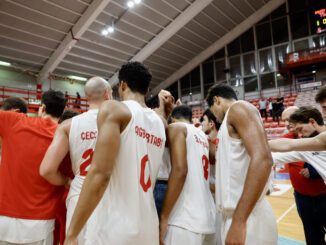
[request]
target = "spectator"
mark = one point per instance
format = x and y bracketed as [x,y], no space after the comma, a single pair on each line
[77,101]
[262,107]
[67,98]
[270,107]
[27,201]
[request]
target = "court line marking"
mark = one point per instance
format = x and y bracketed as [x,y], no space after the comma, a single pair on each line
[285,213]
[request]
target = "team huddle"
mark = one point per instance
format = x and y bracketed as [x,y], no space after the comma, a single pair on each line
[117,151]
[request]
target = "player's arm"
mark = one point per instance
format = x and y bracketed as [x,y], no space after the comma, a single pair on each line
[287,157]
[112,118]
[55,154]
[245,120]
[317,143]
[176,135]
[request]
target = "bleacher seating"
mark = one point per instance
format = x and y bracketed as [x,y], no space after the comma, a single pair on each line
[33,99]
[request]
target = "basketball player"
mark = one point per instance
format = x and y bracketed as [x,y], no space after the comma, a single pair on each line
[242,172]
[188,214]
[27,201]
[126,160]
[78,137]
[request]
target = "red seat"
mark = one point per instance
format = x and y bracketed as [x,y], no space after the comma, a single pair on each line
[267,125]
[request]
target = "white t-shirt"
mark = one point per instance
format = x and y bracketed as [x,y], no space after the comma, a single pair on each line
[24,230]
[127,213]
[317,159]
[262,104]
[195,208]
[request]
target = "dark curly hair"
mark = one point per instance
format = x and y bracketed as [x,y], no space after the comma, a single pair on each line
[136,75]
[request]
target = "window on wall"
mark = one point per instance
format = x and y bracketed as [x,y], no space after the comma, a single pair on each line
[264,38]
[300,45]
[220,66]
[299,25]
[236,82]
[219,54]
[283,81]
[206,88]
[173,89]
[195,77]
[235,67]
[247,41]
[280,54]
[297,5]
[266,60]
[279,12]
[280,31]
[319,41]
[208,72]
[185,85]
[267,81]
[234,47]
[250,84]
[249,64]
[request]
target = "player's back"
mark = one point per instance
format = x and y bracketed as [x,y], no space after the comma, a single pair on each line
[127,213]
[82,140]
[195,208]
[23,192]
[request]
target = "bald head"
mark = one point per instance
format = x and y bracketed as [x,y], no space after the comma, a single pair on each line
[286,115]
[97,90]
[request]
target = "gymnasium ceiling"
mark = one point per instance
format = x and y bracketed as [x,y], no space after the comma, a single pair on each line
[51,36]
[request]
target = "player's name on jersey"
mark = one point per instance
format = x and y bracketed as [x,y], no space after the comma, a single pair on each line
[88,135]
[151,139]
[199,141]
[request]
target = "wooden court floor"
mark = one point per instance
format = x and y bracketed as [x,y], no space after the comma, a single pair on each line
[288,221]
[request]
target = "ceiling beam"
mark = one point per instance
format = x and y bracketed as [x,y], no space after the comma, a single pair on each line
[220,43]
[178,23]
[68,42]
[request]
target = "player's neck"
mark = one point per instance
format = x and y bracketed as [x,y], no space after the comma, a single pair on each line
[93,106]
[53,119]
[213,134]
[227,105]
[135,97]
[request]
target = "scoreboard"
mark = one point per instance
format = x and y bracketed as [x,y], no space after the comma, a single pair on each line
[320,20]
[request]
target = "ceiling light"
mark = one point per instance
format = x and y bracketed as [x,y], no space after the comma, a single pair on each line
[105,32]
[137,1]
[2,63]
[78,78]
[130,4]
[110,29]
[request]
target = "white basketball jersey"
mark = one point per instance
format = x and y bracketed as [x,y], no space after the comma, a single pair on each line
[195,208]
[231,170]
[82,140]
[127,213]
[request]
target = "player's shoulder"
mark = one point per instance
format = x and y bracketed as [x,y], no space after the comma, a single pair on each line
[177,127]
[242,107]
[114,109]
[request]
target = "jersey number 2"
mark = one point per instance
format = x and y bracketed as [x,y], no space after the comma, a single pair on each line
[88,156]
[145,185]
